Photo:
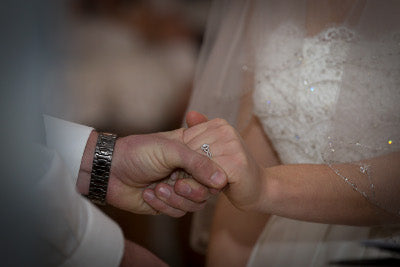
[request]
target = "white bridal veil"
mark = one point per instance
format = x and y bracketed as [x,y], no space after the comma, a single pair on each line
[239,54]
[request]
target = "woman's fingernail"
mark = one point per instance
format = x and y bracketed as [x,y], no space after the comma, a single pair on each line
[164,192]
[148,195]
[185,189]
[218,178]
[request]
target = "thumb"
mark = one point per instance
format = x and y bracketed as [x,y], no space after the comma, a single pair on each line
[193,118]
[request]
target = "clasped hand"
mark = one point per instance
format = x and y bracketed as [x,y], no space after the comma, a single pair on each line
[144,165]
[229,152]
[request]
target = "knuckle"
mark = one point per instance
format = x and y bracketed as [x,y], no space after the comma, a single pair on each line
[199,162]
[232,143]
[227,131]
[219,121]
[180,204]
[202,194]
[180,134]
[162,208]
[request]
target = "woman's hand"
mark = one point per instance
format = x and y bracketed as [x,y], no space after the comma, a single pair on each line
[228,151]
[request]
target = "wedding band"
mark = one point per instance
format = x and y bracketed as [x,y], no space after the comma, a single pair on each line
[206,149]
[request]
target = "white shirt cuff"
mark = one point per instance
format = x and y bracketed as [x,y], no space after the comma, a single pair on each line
[69,140]
[102,243]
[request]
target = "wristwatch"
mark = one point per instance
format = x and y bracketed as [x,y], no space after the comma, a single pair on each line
[101,168]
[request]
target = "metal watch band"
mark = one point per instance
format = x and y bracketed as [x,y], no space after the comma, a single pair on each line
[101,168]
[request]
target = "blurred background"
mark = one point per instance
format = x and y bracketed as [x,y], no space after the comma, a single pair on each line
[127,67]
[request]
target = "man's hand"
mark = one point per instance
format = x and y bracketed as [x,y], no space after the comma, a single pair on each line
[140,160]
[185,186]
[229,151]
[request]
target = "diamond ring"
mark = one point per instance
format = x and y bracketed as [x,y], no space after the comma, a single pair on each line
[206,149]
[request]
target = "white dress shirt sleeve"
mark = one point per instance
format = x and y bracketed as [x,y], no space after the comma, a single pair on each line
[85,235]
[69,140]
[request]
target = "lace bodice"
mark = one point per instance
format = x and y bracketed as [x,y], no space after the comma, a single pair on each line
[295,101]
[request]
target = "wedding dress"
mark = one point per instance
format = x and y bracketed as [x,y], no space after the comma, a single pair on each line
[327,97]
[297,115]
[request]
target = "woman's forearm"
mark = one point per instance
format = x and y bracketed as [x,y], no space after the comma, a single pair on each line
[314,192]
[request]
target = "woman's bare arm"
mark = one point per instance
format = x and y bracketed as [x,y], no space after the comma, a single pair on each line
[314,192]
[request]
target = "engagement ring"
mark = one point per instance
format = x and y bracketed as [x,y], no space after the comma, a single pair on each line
[206,149]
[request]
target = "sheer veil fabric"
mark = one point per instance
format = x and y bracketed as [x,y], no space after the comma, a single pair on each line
[325,80]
